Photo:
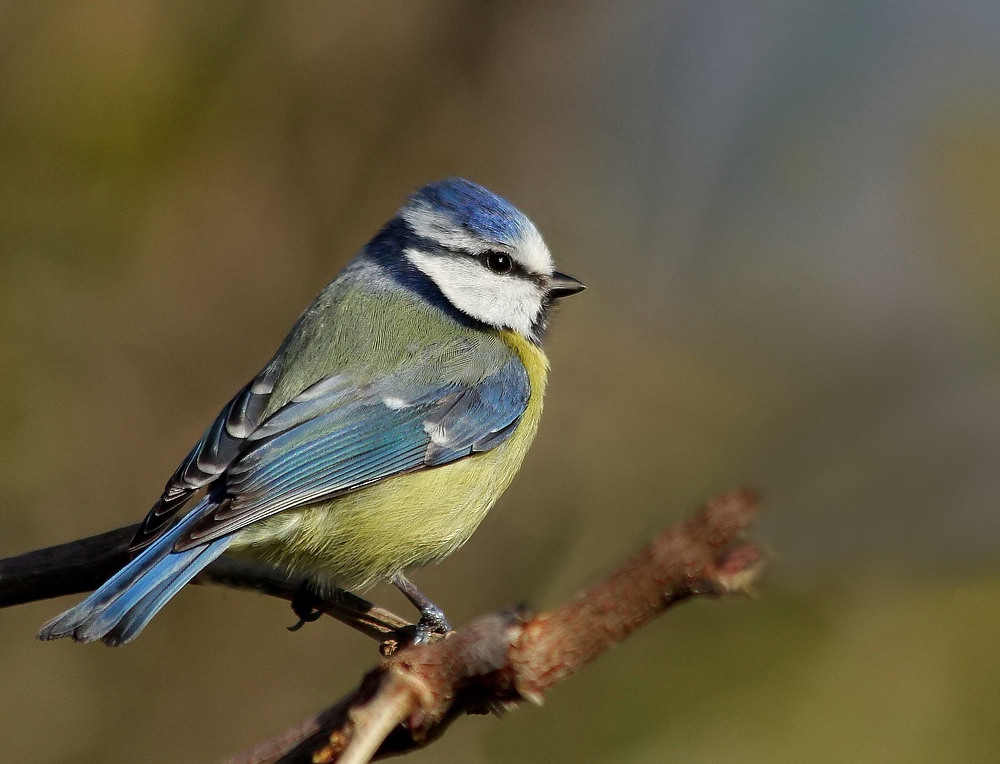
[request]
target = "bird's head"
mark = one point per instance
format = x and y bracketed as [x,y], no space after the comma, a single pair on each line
[483,254]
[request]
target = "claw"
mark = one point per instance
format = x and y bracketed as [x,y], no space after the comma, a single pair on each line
[432,619]
[304,606]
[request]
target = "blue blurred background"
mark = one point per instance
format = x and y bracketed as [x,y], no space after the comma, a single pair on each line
[789,219]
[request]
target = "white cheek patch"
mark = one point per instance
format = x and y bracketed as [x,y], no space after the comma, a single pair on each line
[501,301]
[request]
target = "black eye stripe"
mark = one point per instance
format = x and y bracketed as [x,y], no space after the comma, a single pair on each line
[516,269]
[433,246]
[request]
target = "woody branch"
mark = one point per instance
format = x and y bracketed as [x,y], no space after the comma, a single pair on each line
[505,658]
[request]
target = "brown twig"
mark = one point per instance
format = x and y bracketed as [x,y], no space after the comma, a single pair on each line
[505,658]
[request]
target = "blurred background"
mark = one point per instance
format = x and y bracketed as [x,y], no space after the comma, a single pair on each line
[788,216]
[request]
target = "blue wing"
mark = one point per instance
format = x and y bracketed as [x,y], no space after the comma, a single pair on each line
[334,438]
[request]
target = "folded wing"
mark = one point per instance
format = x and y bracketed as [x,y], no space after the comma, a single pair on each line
[334,438]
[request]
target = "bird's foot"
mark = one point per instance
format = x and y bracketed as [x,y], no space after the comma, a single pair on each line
[304,605]
[432,620]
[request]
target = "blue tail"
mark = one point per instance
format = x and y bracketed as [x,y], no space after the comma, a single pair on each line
[122,607]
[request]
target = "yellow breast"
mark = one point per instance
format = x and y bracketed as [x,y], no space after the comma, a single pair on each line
[403,521]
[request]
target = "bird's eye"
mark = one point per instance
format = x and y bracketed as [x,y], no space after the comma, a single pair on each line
[498,262]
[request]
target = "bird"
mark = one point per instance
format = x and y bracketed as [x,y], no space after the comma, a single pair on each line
[392,417]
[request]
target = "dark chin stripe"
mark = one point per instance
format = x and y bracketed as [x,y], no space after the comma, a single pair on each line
[386,249]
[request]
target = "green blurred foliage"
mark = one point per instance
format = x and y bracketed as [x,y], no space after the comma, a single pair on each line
[788,220]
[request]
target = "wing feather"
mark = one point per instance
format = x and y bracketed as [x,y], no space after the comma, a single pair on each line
[213,454]
[321,445]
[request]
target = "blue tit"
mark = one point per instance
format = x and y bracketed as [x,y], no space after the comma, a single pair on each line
[393,416]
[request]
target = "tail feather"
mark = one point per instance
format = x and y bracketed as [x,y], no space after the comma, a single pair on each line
[98,614]
[123,605]
[136,618]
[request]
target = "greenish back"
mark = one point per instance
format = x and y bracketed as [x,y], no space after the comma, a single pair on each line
[365,329]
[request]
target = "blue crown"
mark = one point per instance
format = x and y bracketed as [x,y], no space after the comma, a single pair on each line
[475,209]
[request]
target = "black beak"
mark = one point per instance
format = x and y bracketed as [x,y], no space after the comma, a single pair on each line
[561,285]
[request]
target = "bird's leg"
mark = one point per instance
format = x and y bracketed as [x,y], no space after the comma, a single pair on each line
[432,618]
[304,606]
